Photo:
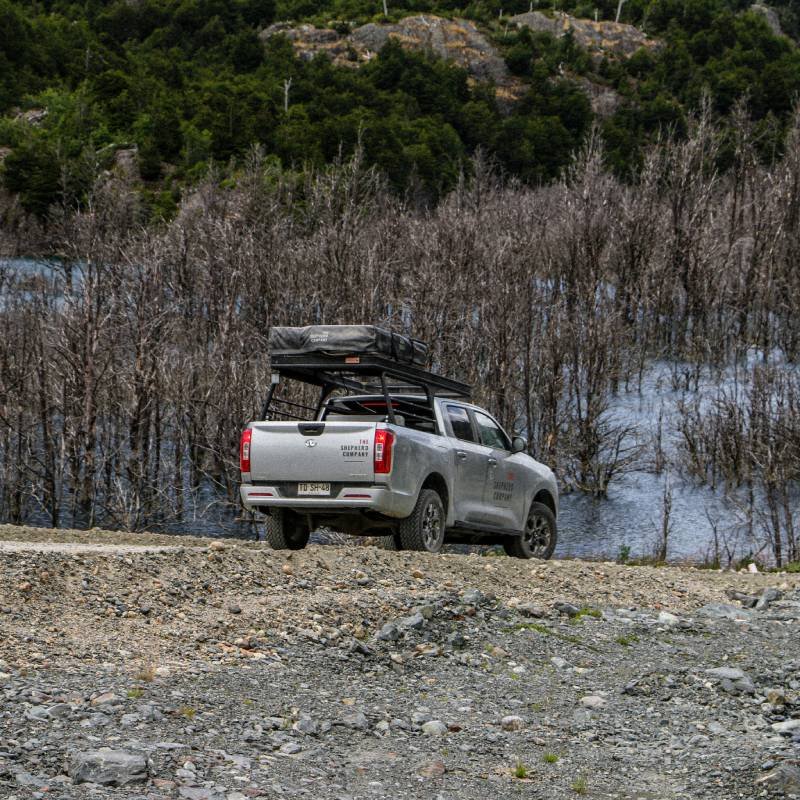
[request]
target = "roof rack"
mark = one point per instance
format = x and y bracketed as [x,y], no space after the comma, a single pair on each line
[361,374]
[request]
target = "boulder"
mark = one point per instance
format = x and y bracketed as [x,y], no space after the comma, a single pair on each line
[108,767]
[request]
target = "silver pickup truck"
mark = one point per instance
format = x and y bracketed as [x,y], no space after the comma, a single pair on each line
[420,466]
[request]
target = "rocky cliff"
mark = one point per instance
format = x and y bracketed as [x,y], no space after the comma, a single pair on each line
[456,40]
[599,38]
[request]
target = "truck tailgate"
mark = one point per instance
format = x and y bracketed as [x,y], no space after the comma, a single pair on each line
[312,451]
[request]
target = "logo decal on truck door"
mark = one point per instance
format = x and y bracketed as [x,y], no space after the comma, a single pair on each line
[311,442]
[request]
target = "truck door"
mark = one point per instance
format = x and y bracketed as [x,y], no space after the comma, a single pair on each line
[503,487]
[469,466]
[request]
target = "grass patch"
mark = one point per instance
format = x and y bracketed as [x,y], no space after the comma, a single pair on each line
[626,641]
[544,630]
[527,626]
[135,693]
[188,712]
[550,758]
[586,611]
[146,673]
[520,771]
[579,785]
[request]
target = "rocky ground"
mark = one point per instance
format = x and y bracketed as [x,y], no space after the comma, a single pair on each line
[154,667]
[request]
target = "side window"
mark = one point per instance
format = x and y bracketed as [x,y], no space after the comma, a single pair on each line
[459,422]
[491,433]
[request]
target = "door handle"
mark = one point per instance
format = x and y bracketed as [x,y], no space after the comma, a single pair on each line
[492,462]
[461,455]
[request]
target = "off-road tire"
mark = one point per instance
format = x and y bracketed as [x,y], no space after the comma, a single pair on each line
[424,528]
[284,530]
[390,542]
[540,537]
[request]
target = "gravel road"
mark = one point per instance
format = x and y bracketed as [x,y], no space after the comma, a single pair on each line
[197,669]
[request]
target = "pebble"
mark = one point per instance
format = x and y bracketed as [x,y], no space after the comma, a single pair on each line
[434,727]
[390,632]
[414,622]
[473,597]
[593,701]
[567,609]
[431,769]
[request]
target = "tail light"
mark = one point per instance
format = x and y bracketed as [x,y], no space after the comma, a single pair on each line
[384,439]
[244,450]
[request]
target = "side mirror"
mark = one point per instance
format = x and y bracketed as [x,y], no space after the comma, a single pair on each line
[518,444]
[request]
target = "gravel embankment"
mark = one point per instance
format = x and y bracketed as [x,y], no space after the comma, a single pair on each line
[156,667]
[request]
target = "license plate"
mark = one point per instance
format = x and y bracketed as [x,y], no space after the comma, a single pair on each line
[313,488]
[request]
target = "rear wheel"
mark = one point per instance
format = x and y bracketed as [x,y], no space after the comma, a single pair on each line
[540,535]
[424,529]
[284,530]
[388,542]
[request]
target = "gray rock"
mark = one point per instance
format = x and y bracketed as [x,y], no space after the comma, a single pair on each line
[787,726]
[770,16]
[665,618]
[420,717]
[108,767]
[434,727]
[593,701]
[290,748]
[769,595]
[427,611]
[306,726]
[567,609]
[558,662]
[724,611]
[530,610]
[357,721]
[457,640]
[389,632]
[473,597]
[414,622]
[511,723]
[785,778]
[197,793]
[731,673]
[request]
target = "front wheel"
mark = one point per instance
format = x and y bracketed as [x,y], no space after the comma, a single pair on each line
[539,537]
[424,529]
[284,530]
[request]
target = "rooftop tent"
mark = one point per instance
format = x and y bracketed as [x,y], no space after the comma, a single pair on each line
[357,359]
[347,340]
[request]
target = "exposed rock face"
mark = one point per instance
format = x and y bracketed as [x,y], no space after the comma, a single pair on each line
[456,40]
[604,100]
[34,116]
[770,16]
[596,37]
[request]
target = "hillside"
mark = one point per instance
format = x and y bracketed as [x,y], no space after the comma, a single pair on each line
[160,89]
[202,670]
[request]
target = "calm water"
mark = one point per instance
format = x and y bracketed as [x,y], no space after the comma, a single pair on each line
[630,517]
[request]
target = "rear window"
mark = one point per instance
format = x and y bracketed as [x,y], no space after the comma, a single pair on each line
[411,413]
[459,422]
